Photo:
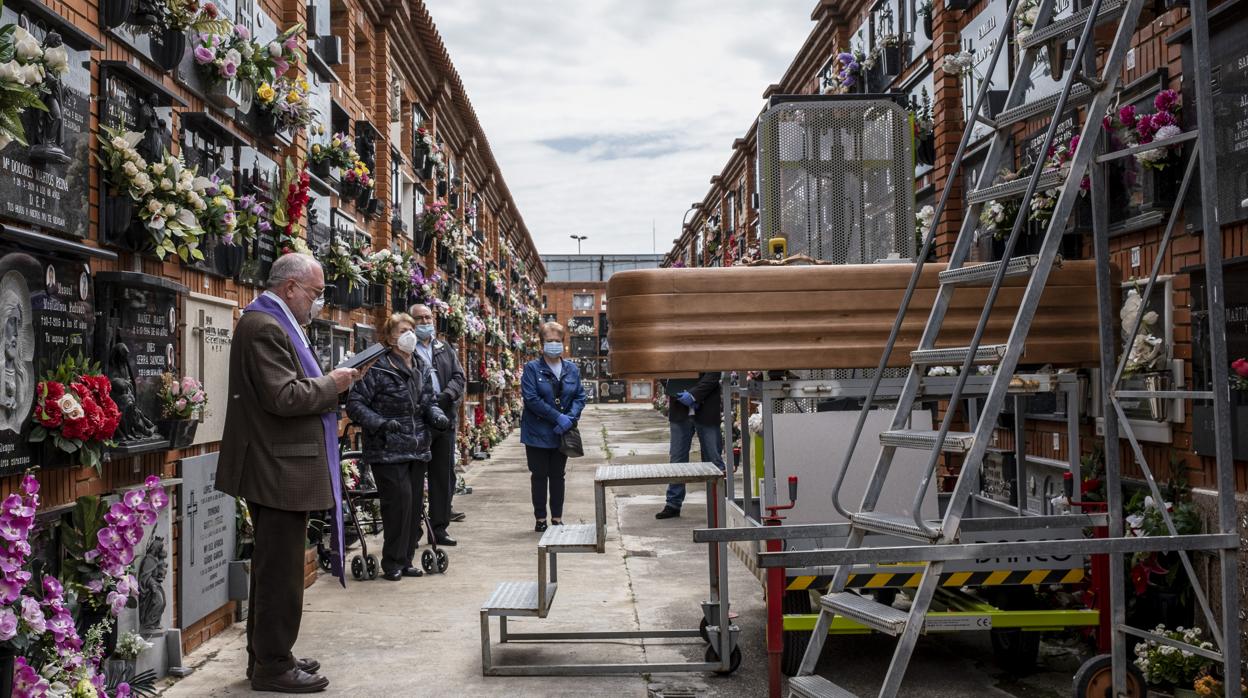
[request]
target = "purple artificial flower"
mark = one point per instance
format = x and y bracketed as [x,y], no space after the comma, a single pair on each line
[845,57]
[204,55]
[95,586]
[61,626]
[848,81]
[148,517]
[264,226]
[292,43]
[1163,118]
[153,481]
[27,683]
[33,615]
[228,69]
[160,498]
[116,602]
[1166,100]
[14,505]
[30,486]
[132,498]
[1127,116]
[10,563]
[242,32]
[280,66]
[8,624]
[52,588]
[109,538]
[13,528]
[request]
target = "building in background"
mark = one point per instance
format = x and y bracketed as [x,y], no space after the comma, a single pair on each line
[575,296]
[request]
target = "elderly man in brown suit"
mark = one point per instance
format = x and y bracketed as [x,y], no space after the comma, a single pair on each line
[280,453]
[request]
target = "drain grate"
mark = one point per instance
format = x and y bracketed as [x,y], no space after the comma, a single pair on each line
[665,691]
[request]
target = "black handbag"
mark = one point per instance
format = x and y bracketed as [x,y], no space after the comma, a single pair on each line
[570,443]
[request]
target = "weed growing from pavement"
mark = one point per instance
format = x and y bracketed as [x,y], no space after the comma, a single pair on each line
[606,444]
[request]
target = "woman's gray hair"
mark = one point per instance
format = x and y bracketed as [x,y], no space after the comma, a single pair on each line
[291,266]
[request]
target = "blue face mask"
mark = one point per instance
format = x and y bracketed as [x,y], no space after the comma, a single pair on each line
[424,332]
[553,349]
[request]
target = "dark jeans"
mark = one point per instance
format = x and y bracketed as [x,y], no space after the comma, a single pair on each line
[401,488]
[546,465]
[711,440]
[275,604]
[441,480]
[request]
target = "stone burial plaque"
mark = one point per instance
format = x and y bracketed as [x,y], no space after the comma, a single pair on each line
[320,338]
[341,346]
[207,539]
[45,184]
[206,337]
[365,336]
[259,177]
[46,313]
[136,335]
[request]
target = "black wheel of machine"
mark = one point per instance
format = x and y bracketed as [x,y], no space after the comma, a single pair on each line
[326,561]
[426,561]
[1095,679]
[795,641]
[444,560]
[373,566]
[357,567]
[734,659]
[706,636]
[1015,650]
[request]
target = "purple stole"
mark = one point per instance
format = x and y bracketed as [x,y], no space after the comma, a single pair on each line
[311,369]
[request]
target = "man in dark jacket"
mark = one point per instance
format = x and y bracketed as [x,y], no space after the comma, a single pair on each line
[692,407]
[448,384]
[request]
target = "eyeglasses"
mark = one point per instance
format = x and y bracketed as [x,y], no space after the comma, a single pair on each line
[318,295]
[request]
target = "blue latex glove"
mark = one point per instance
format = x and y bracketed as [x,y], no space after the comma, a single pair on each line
[564,424]
[686,399]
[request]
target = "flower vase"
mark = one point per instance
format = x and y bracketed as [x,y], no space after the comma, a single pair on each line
[349,190]
[376,295]
[266,121]
[118,216]
[355,299]
[320,168]
[443,188]
[428,171]
[361,201]
[927,25]
[8,656]
[226,94]
[114,13]
[925,150]
[168,47]
[89,617]
[228,259]
[342,294]
[890,63]
[246,96]
[179,432]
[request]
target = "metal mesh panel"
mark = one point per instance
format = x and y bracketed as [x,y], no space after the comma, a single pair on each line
[837,178]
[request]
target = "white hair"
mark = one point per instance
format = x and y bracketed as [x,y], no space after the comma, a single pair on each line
[291,266]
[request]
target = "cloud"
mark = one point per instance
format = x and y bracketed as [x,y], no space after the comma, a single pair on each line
[610,117]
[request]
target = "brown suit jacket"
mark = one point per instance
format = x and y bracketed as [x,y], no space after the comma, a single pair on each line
[273,449]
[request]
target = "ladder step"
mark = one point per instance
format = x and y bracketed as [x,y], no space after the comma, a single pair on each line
[984,273]
[653,473]
[955,441]
[986,354]
[517,599]
[816,687]
[1079,94]
[578,538]
[869,612]
[1166,394]
[1016,188]
[1071,27]
[894,525]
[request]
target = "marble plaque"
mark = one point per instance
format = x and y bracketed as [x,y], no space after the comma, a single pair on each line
[206,339]
[980,37]
[365,336]
[45,184]
[207,540]
[320,336]
[341,346]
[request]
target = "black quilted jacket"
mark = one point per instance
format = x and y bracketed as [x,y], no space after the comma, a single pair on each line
[392,391]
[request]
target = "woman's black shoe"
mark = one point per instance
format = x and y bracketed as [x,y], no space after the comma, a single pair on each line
[556,523]
[541,526]
[393,576]
[412,572]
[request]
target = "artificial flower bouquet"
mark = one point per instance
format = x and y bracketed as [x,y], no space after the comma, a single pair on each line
[181,399]
[338,152]
[22,78]
[75,411]
[219,218]
[286,102]
[1129,128]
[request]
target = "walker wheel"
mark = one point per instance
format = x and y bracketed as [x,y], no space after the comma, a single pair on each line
[444,560]
[734,659]
[357,567]
[373,566]
[702,631]
[325,560]
[427,561]
[1095,679]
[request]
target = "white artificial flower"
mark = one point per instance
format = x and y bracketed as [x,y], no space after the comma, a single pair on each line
[130,169]
[12,72]
[153,206]
[187,218]
[70,407]
[4,141]
[1167,132]
[158,169]
[165,185]
[232,56]
[142,182]
[56,59]
[26,46]
[275,49]
[170,209]
[156,222]
[32,74]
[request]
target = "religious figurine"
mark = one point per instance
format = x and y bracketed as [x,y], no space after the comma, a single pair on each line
[135,426]
[8,386]
[17,345]
[148,123]
[152,571]
[45,130]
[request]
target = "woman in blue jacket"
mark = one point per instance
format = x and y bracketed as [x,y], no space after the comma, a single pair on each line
[553,400]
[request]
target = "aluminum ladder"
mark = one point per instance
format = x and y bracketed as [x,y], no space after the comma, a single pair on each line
[1083,86]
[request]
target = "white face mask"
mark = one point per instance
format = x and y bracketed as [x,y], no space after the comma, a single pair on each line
[317,306]
[407,342]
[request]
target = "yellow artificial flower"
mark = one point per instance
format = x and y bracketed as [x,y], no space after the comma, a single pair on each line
[227,190]
[316,148]
[303,84]
[293,97]
[265,92]
[336,142]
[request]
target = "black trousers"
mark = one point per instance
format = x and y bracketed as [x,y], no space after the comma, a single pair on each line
[441,480]
[546,468]
[275,604]
[401,488]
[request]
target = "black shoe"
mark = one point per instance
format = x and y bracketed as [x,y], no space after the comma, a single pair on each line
[668,513]
[310,666]
[393,576]
[412,572]
[444,539]
[458,516]
[540,527]
[556,523]
[294,681]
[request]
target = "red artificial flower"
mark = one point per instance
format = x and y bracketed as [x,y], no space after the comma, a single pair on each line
[1240,366]
[47,412]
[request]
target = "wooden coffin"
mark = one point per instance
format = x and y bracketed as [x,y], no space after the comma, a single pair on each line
[668,322]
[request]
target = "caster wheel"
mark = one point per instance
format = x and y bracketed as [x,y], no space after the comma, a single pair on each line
[1095,679]
[706,636]
[734,660]
[444,561]
[427,561]
[373,566]
[1015,651]
[325,560]
[795,642]
[357,567]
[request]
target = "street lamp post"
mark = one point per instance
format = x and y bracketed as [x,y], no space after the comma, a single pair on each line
[578,239]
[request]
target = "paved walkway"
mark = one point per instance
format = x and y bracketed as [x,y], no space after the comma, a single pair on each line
[421,637]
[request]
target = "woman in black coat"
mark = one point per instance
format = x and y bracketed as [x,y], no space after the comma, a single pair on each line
[395,405]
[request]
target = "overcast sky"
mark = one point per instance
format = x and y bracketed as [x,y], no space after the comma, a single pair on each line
[608,115]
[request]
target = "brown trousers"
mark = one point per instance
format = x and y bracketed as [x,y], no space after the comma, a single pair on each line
[275,603]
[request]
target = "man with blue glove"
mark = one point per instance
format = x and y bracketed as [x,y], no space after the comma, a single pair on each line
[693,407]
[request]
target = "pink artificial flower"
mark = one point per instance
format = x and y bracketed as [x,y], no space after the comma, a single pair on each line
[243,32]
[16,506]
[189,384]
[10,564]
[108,537]
[280,66]
[123,690]
[147,516]
[292,43]
[197,398]
[27,683]
[116,602]
[1127,116]
[1166,100]
[228,69]
[133,498]
[8,624]
[61,626]
[204,55]
[11,528]
[52,588]
[95,586]
[30,486]
[160,498]
[33,615]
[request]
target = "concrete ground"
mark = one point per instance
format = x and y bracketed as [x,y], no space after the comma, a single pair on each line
[421,637]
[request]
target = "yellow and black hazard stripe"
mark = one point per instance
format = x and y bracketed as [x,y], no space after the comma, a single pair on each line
[884,580]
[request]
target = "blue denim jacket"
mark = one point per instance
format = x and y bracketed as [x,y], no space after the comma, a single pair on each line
[541,415]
